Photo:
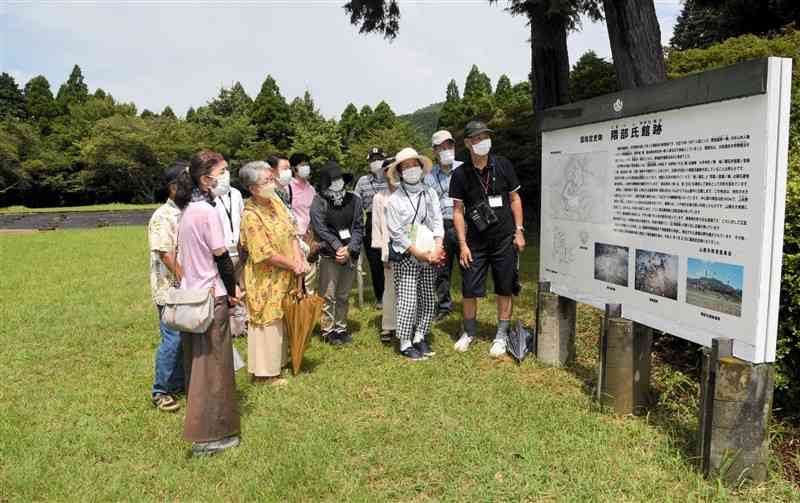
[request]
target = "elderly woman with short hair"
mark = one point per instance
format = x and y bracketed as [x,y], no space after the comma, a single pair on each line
[273,259]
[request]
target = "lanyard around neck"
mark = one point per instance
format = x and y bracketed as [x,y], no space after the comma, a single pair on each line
[228,210]
[419,201]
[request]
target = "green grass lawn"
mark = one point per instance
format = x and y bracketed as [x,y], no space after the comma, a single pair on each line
[77,341]
[95,207]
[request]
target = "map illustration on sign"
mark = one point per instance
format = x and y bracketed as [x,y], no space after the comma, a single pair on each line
[715,285]
[578,188]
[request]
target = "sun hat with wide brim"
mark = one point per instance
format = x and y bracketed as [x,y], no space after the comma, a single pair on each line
[404,155]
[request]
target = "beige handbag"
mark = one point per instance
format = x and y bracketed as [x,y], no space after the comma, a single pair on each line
[190,310]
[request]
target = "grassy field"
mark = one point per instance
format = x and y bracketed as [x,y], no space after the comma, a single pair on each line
[95,207]
[77,341]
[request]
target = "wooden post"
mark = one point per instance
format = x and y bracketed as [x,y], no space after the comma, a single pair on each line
[555,328]
[735,405]
[624,374]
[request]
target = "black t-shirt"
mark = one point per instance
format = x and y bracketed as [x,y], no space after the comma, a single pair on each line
[471,186]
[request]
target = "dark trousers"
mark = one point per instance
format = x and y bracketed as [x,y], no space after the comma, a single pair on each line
[374,259]
[450,243]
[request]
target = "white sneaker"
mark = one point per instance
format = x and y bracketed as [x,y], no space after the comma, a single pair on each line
[498,348]
[463,343]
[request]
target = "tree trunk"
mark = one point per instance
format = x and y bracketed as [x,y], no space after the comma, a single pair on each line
[635,39]
[550,82]
[549,58]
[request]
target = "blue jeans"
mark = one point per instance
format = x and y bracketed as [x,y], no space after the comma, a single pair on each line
[169,375]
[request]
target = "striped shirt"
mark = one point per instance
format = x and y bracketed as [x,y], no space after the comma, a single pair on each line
[366,188]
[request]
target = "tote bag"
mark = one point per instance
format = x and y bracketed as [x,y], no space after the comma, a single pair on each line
[190,310]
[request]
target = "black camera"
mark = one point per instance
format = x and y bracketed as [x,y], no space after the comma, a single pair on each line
[483,216]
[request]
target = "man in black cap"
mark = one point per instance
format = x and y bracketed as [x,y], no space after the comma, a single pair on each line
[366,188]
[487,215]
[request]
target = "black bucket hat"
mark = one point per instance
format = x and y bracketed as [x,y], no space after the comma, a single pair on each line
[330,172]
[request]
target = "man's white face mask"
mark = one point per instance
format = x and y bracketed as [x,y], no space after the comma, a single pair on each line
[447,157]
[482,147]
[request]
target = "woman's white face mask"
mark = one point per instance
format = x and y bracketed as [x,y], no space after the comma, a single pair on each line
[304,171]
[412,175]
[337,184]
[223,185]
[284,177]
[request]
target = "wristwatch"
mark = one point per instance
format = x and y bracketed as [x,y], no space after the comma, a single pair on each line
[521,228]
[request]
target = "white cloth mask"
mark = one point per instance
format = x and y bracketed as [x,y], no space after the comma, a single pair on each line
[446,157]
[482,147]
[337,185]
[303,171]
[223,185]
[412,175]
[377,168]
[284,177]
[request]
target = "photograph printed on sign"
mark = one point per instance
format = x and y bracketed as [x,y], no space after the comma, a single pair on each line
[611,263]
[657,273]
[714,285]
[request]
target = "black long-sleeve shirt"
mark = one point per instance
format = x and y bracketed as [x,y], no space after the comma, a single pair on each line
[328,235]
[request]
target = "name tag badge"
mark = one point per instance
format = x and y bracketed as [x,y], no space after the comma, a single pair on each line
[447,202]
[344,234]
[496,201]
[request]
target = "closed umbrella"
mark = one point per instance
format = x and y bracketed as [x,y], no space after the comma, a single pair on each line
[520,342]
[301,312]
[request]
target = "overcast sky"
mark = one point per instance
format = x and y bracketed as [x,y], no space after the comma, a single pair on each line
[178,53]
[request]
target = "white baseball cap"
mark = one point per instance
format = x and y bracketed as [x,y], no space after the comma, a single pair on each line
[440,137]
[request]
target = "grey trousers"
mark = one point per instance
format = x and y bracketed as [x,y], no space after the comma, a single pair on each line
[335,283]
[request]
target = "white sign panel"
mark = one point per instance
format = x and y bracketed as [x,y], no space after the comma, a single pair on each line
[677,214]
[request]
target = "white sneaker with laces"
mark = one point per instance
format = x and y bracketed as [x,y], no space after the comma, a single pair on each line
[498,348]
[462,345]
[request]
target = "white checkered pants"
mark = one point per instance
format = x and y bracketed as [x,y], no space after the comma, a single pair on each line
[415,289]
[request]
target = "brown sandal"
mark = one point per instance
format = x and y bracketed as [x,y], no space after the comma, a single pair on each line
[166,403]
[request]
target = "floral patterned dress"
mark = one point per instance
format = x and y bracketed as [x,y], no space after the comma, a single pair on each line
[266,231]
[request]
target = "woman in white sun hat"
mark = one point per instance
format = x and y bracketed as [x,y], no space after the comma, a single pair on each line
[414,222]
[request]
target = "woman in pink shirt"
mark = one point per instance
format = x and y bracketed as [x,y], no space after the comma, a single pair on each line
[212,421]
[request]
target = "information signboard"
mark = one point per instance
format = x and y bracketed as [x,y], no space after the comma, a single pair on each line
[669,200]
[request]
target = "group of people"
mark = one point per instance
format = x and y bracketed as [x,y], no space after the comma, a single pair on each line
[414,218]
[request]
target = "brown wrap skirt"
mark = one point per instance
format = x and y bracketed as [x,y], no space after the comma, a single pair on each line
[211,412]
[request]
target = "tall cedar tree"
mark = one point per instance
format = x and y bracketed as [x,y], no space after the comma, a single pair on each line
[477,85]
[73,91]
[383,117]
[12,101]
[705,22]
[591,76]
[272,116]
[348,125]
[39,102]
[503,92]
[168,113]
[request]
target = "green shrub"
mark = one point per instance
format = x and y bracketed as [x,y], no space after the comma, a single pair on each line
[680,63]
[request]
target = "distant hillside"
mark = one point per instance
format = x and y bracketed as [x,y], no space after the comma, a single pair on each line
[713,285]
[424,120]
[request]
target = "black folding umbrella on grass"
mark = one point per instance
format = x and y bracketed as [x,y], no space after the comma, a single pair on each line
[520,342]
